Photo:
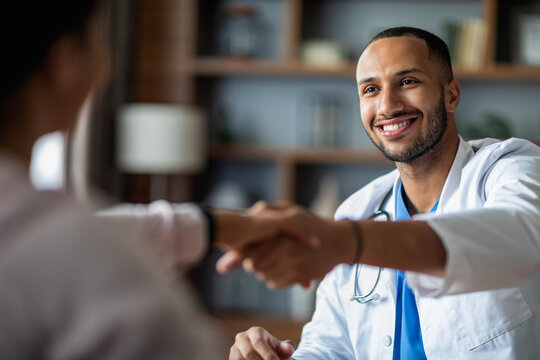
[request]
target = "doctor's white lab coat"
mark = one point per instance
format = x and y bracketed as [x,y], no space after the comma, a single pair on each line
[488,304]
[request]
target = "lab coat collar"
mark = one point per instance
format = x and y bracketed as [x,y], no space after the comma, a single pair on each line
[373,194]
[463,155]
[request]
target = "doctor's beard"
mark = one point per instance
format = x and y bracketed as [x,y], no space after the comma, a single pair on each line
[438,122]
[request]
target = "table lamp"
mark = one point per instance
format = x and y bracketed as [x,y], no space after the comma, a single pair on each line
[160,139]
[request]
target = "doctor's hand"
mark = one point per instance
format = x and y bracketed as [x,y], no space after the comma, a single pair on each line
[258,344]
[284,261]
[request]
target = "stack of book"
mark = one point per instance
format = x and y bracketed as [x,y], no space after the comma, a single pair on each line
[467,42]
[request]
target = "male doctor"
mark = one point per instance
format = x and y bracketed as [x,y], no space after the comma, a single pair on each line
[468,285]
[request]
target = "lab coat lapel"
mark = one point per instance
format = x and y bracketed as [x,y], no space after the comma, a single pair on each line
[450,190]
[370,198]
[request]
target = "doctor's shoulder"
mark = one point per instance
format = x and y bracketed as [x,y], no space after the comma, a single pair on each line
[492,156]
[501,148]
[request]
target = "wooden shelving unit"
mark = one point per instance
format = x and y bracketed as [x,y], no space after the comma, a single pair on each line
[291,65]
[167,61]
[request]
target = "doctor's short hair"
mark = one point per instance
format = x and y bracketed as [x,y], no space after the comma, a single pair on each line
[28,29]
[436,46]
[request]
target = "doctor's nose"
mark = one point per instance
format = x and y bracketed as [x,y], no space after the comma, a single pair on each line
[390,103]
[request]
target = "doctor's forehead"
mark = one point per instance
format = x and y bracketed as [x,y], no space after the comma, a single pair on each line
[391,55]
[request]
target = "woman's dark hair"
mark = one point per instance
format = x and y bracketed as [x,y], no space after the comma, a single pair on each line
[436,46]
[28,28]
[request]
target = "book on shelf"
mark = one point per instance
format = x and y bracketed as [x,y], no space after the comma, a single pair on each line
[467,42]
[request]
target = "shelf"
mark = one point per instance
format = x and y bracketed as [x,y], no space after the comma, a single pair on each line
[504,72]
[218,67]
[223,67]
[298,155]
[288,159]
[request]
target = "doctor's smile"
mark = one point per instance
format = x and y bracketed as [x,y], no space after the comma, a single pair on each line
[396,126]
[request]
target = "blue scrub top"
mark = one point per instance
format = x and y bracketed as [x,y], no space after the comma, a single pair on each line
[408,343]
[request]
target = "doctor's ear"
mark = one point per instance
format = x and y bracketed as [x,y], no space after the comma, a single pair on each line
[452,92]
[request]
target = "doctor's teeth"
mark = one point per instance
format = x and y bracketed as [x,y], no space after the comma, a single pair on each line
[393,127]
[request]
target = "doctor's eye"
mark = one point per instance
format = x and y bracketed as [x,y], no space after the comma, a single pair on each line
[369,89]
[409,82]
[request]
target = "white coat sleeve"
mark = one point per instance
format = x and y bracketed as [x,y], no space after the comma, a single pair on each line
[325,336]
[497,246]
[177,234]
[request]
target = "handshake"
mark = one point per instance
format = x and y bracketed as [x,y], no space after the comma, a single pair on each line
[281,245]
[284,244]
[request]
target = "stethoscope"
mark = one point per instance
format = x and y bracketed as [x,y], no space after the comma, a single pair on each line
[371,295]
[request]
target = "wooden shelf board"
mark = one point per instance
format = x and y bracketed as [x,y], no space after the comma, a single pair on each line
[298,155]
[217,66]
[501,72]
[223,67]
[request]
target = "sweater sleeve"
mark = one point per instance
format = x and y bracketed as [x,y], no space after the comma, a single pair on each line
[177,234]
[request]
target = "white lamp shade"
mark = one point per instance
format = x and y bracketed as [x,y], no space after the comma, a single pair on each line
[160,139]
